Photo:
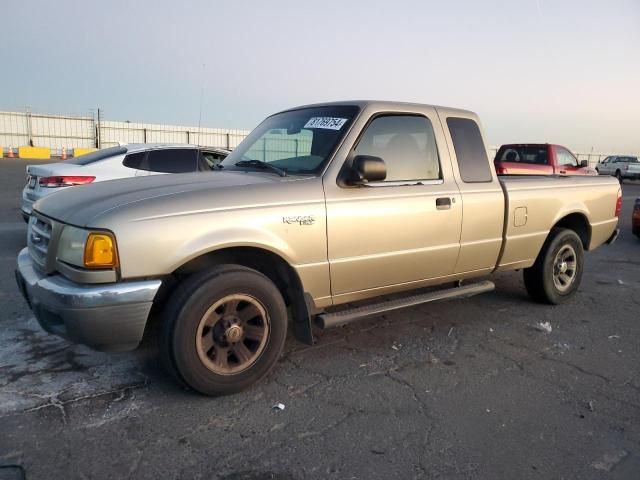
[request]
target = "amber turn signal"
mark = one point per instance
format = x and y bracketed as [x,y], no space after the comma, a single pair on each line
[100,251]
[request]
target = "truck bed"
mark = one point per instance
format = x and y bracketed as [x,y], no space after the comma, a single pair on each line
[535,203]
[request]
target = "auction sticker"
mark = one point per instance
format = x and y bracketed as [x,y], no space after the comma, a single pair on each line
[328,123]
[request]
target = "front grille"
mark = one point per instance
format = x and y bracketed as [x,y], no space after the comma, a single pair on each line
[38,238]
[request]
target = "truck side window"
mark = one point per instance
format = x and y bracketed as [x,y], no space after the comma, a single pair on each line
[407,145]
[565,158]
[172,160]
[470,151]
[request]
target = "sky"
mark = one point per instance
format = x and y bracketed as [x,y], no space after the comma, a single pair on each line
[558,71]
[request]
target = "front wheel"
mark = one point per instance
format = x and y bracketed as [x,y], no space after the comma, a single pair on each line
[619,176]
[556,275]
[223,330]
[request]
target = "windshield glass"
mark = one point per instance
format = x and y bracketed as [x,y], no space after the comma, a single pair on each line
[298,141]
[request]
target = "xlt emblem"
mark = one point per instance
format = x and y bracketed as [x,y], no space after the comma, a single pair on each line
[299,219]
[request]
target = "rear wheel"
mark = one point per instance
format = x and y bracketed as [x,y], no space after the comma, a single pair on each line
[223,330]
[556,275]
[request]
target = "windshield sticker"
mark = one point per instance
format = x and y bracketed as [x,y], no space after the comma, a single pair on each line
[328,123]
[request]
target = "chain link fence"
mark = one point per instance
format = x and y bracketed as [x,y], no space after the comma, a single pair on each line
[58,132]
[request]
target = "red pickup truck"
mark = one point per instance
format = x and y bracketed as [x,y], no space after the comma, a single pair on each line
[539,159]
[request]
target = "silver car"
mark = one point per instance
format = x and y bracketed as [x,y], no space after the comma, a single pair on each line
[112,163]
[619,167]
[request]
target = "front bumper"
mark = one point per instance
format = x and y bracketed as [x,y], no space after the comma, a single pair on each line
[104,317]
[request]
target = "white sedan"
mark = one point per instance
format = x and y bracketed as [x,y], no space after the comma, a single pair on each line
[116,162]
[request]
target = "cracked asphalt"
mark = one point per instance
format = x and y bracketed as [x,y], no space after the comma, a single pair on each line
[458,390]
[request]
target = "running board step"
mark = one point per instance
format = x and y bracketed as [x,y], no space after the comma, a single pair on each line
[328,320]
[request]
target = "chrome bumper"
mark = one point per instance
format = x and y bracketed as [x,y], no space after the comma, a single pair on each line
[104,316]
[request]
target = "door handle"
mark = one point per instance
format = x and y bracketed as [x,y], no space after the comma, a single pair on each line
[443,203]
[563,172]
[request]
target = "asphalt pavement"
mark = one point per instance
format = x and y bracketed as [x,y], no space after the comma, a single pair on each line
[463,389]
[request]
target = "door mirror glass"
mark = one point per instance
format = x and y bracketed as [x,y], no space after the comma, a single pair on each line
[584,163]
[367,168]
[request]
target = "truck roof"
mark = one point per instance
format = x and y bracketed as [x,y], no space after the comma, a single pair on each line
[379,104]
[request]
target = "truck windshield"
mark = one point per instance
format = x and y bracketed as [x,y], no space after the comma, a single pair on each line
[296,142]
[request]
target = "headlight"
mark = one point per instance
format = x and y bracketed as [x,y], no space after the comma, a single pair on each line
[83,248]
[71,245]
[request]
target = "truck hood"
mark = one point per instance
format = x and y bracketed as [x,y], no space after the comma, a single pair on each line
[82,204]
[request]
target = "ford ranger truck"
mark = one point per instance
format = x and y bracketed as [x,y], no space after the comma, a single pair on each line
[539,159]
[318,207]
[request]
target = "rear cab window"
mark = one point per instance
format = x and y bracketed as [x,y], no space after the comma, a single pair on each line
[529,154]
[473,162]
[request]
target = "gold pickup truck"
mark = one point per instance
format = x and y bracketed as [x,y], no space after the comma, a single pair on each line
[318,207]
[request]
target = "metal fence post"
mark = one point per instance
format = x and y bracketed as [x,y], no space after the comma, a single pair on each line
[99,133]
[29,128]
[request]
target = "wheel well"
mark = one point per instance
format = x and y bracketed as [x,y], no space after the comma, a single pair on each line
[579,224]
[270,265]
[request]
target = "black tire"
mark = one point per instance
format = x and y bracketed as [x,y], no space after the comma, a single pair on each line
[539,279]
[619,176]
[183,316]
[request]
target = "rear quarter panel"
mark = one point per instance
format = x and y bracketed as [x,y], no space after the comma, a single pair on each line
[536,204]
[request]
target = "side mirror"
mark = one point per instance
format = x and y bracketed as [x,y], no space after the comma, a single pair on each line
[367,168]
[584,163]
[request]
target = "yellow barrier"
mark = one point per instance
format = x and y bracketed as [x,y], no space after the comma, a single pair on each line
[82,151]
[35,153]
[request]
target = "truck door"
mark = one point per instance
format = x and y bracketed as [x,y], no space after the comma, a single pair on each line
[483,201]
[566,163]
[403,229]
[605,166]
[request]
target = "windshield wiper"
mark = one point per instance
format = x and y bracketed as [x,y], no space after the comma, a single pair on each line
[261,164]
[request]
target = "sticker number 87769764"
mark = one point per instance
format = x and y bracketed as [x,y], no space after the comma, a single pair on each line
[329,123]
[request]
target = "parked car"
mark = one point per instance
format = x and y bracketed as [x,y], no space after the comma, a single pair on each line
[539,159]
[635,218]
[357,200]
[116,162]
[633,171]
[620,166]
